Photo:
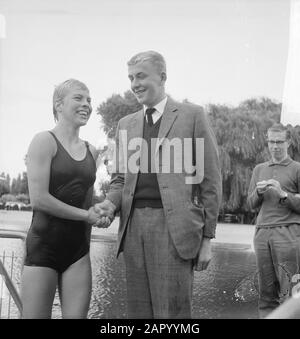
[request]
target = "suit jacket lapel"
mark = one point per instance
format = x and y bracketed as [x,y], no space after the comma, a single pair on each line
[136,127]
[168,118]
[135,131]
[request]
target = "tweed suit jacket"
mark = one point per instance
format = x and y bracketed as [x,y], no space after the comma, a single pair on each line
[191,210]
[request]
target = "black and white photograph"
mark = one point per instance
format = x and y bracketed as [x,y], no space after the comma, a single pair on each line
[149,161]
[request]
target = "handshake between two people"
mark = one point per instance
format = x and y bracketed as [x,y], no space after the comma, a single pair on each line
[102,214]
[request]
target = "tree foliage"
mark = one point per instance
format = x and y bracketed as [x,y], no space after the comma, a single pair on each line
[8,197]
[23,198]
[17,187]
[4,184]
[115,108]
[20,184]
[241,137]
[104,187]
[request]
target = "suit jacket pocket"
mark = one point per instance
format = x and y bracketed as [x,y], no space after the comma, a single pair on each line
[196,209]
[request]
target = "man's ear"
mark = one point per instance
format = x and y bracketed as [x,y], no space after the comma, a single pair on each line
[163,77]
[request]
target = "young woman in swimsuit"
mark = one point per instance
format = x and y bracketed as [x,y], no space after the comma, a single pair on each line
[61,173]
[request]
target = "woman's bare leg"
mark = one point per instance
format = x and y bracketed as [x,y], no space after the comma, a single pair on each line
[75,286]
[38,291]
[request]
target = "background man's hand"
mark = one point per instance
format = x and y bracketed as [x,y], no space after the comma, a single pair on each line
[275,187]
[262,186]
[205,255]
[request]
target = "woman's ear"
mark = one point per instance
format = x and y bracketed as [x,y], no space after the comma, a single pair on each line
[58,105]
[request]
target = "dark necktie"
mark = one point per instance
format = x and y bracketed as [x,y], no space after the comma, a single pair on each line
[149,112]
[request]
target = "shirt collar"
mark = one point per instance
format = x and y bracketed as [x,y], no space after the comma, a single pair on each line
[284,162]
[160,107]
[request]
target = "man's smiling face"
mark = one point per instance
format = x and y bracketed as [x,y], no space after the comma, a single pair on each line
[147,83]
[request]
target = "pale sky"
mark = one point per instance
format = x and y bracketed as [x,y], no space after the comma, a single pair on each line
[217,51]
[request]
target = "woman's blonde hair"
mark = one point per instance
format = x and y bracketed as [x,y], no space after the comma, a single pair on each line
[62,90]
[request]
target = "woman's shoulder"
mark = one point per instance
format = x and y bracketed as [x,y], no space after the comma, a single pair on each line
[44,141]
[43,136]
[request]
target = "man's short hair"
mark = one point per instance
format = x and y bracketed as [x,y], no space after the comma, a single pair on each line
[62,90]
[278,127]
[154,57]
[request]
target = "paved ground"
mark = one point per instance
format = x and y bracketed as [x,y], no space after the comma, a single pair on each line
[228,289]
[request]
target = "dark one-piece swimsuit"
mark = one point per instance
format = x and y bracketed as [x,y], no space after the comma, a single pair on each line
[55,242]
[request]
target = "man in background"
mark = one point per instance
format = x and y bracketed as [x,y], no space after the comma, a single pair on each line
[274,191]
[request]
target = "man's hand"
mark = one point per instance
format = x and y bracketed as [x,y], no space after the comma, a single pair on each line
[103,222]
[93,216]
[262,186]
[205,255]
[272,185]
[106,212]
[275,187]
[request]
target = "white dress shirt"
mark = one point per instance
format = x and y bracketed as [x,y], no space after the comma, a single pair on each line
[160,107]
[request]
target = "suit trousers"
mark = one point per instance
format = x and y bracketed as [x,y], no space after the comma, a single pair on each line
[277,252]
[159,282]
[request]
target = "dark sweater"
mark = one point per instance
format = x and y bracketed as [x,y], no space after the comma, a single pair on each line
[147,192]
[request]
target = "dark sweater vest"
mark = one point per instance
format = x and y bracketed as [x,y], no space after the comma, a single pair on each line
[147,192]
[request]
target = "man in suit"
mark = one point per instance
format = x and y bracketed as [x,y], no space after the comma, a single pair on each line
[168,214]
